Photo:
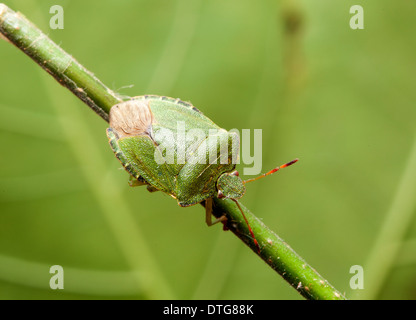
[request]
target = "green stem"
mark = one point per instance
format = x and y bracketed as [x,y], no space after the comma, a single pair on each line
[276,252]
[59,64]
[68,72]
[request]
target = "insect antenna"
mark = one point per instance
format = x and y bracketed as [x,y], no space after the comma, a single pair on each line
[271,171]
[248,225]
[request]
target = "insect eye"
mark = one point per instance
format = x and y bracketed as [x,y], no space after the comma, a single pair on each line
[220,194]
[235,173]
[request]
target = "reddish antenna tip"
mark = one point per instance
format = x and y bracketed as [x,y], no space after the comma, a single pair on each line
[272,171]
[289,163]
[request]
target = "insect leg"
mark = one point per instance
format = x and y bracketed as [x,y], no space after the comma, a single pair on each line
[133,182]
[151,188]
[208,214]
[248,225]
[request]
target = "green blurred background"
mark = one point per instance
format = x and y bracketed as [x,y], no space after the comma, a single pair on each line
[341,100]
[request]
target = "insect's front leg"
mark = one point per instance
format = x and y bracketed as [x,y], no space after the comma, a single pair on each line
[133,182]
[208,214]
[151,188]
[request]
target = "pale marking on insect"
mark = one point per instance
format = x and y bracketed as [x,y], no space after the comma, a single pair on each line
[132,118]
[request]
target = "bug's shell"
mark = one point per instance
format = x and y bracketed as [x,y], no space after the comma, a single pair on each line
[135,143]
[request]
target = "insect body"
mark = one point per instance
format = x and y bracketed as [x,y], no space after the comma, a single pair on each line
[145,132]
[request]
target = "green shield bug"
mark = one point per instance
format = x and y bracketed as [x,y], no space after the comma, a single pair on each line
[170,146]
